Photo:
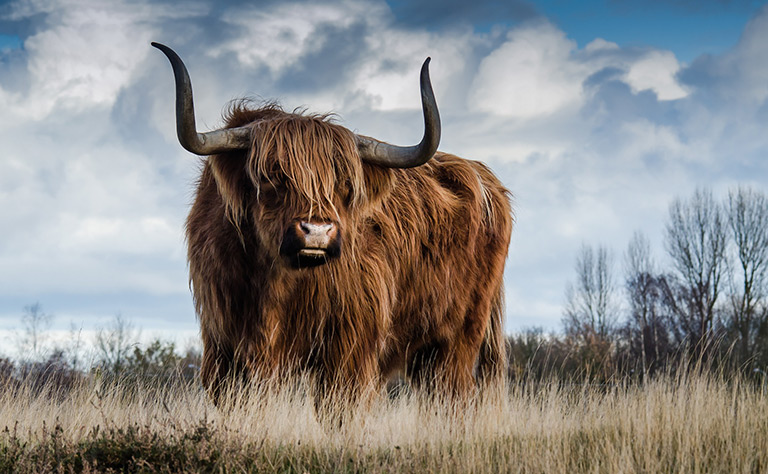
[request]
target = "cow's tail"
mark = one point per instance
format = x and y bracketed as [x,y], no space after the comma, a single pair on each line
[492,362]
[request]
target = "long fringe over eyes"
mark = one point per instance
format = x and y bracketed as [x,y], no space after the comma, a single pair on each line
[314,155]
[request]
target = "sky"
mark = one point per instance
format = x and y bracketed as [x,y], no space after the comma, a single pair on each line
[595,114]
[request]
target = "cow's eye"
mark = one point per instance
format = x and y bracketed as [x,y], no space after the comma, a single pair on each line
[347,192]
[276,184]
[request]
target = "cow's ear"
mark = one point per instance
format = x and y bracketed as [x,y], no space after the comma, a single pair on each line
[378,183]
[232,181]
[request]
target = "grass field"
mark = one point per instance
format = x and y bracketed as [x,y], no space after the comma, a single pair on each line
[672,424]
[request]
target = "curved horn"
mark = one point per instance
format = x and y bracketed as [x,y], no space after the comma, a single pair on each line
[217,141]
[391,156]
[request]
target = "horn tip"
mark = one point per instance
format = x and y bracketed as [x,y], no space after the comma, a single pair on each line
[159,46]
[425,66]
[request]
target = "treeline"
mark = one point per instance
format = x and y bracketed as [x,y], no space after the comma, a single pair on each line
[113,356]
[704,305]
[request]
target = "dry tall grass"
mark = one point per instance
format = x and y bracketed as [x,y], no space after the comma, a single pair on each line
[679,423]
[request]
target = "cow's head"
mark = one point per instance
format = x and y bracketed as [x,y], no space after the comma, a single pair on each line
[303,180]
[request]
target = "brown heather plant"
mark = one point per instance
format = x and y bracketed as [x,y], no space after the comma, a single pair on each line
[673,423]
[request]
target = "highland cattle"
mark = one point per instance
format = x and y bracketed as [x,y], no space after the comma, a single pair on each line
[313,249]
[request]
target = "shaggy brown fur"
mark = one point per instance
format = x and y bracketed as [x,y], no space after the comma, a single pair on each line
[417,287]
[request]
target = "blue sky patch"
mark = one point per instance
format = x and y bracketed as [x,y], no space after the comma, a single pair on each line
[9,42]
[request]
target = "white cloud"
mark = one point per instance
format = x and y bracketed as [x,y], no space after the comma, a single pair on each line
[643,138]
[74,64]
[601,45]
[656,71]
[752,54]
[530,75]
[277,36]
[539,72]
[396,87]
[84,211]
[739,75]
[87,52]
[280,36]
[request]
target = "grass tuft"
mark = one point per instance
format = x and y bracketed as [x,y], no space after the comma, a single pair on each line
[674,423]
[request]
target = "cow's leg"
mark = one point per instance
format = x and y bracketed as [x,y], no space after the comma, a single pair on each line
[447,367]
[216,368]
[346,385]
[421,365]
[443,370]
[457,371]
[462,354]
[226,372]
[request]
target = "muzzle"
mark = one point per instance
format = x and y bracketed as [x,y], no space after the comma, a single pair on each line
[311,243]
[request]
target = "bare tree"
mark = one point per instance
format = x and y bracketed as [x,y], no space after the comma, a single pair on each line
[748,223]
[645,330]
[591,306]
[696,237]
[73,348]
[114,344]
[31,344]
